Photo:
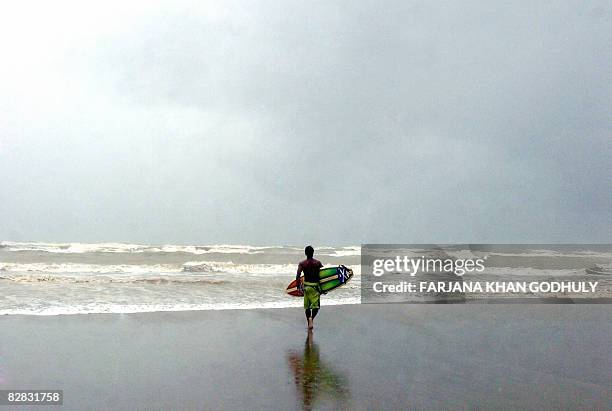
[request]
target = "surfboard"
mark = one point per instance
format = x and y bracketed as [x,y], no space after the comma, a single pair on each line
[330,278]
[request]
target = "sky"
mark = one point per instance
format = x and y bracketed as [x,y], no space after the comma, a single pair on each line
[291,122]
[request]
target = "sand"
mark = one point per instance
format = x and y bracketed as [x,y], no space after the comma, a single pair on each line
[359,357]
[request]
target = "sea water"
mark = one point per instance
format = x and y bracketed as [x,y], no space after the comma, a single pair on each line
[48,278]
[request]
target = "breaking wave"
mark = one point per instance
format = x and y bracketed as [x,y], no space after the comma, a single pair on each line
[231,268]
[80,248]
[509,272]
[88,268]
[107,279]
[188,267]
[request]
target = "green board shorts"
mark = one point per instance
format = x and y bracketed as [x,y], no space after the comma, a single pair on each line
[311,295]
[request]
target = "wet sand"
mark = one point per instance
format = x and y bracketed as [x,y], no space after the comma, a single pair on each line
[359,357]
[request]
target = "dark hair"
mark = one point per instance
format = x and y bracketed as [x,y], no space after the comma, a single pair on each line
[309,251]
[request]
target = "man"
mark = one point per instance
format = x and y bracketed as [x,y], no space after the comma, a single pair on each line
[312,292]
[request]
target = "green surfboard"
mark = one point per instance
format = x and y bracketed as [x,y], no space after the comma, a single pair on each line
[329,279]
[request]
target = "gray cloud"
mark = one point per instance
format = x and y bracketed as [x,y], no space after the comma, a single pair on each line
[327,123]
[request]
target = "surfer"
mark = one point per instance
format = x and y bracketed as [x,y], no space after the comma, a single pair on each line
[312,292]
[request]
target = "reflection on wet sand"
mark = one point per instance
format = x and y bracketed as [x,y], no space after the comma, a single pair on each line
[314,380]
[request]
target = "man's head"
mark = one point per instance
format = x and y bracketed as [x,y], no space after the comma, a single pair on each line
[309,251]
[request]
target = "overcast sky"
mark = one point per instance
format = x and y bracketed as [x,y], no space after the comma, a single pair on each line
[292,122]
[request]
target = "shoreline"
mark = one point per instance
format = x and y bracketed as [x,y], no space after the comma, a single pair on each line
[529,301]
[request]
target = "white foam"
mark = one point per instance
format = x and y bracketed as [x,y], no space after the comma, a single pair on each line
[151,279]
[529,271]
[555,253]
[73,248]
[80,248]
[87,268]
[346,252]
[213,249]
[102,308]
[221,267]
[231,268]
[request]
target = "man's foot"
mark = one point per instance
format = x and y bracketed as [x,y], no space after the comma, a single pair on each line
[310,324]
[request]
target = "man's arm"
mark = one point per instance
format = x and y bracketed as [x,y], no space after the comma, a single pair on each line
[299,272]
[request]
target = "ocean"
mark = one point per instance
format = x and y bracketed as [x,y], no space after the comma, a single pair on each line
[73,278]
[39,278]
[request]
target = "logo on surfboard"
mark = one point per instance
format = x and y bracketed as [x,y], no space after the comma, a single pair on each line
[343,274]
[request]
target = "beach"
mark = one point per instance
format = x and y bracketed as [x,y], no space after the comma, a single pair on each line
[387,356]
[185,184]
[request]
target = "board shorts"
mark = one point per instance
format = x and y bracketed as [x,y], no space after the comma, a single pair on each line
[312,295]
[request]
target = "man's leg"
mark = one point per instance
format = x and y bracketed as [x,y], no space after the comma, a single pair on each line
[307,307]
[315,301]
[309,317]
[311,304]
